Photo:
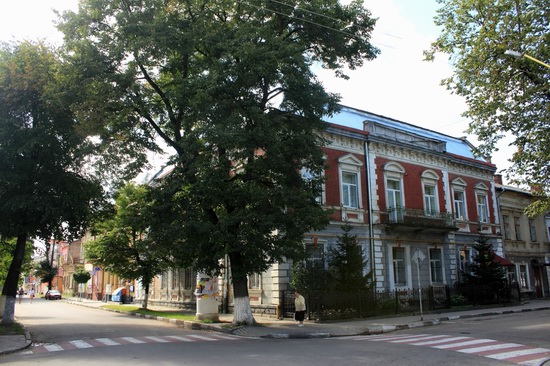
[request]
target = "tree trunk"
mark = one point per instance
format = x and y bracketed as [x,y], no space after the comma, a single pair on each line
[146,296]
[12,280]
[2,305]
[242,313]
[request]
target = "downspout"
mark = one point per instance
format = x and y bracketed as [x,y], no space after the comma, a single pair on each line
[369,209]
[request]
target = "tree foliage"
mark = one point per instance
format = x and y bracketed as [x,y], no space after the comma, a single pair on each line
[309,275]
[44,190]
[7,249]
[46,272]
[347,263]
[123,246]
[81,276]
[228,87]
[505,96]
[485,270]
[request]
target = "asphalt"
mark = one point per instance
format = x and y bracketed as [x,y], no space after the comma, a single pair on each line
[287,328]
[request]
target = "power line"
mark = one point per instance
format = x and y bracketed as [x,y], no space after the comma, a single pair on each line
[323,15]
[310,21]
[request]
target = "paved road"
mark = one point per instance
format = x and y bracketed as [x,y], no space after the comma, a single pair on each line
[68,334]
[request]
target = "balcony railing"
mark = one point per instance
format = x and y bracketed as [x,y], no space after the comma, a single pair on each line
[418,218]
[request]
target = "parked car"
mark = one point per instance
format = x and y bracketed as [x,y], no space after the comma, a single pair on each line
[53,295]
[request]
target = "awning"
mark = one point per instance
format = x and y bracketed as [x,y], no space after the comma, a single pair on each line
[115,292]
[503,261]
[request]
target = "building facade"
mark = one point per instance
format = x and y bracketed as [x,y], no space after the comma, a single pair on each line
[417,200]
[526,241]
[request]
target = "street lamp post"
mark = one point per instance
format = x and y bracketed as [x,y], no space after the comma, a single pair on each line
[520,55]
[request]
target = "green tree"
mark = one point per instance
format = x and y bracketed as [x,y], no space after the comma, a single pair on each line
[81,276]
[7,248]
[123,246]
[46,272]
[505,96]
[228,87]
[486,274]
[44,190]
[347,264]
[309,275]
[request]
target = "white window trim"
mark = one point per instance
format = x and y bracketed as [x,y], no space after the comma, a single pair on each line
[459,185]
[443,277]
[351,164]
[408,269]
[430,178]
[342,190]
[322,198]
[323,244]
[527,275]
[481,190]
[394,171]
[259,281]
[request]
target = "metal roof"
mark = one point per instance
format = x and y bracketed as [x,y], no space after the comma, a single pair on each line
[355,118]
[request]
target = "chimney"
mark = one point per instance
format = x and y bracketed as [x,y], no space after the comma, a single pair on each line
[498,178]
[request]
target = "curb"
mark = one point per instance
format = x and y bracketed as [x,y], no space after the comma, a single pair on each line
[185,324]
[381,329]
[373,330]
[27,344]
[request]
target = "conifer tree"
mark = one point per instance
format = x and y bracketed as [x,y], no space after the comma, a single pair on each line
[485,271]
[347,263]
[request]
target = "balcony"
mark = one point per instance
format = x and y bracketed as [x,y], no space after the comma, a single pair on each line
[408,219]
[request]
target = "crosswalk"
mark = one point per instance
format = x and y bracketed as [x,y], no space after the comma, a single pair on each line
[511,352]
[120,341]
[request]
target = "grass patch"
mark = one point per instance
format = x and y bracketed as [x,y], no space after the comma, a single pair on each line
[177,314]
[12,329]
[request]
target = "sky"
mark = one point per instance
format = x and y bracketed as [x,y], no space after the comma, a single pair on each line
[397,84]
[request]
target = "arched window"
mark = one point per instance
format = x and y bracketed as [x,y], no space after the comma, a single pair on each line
[459,199]
[395,200]
[430,181]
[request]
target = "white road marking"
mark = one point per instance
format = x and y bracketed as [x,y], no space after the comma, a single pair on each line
[107,341]
[132,340]
[489,348]
[81,344]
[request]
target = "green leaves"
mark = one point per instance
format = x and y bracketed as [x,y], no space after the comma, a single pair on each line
[44,188]
[123,245]
[505,96]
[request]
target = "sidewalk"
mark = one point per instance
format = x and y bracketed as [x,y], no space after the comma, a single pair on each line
[287,328]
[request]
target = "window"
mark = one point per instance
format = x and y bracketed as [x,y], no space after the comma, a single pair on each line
[429,185]
[164,280]
[518,228]
[459,199]
[350,190]
[394,173]
[349,170]
[175,277]
[188,278]
[464,261]
[532,230]
[399,267]
[254,281]
[507,231]
[460,207]
[395,199]
[436,265]
[312,180]
[430,201]
[482,211]
[315,255]
[523,277]
[482,204]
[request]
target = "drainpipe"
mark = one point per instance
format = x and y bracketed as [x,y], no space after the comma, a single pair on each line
[369,209]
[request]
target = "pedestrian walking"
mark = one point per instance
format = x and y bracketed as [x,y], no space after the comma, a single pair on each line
[31,294]
[21,292]
[300,308]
